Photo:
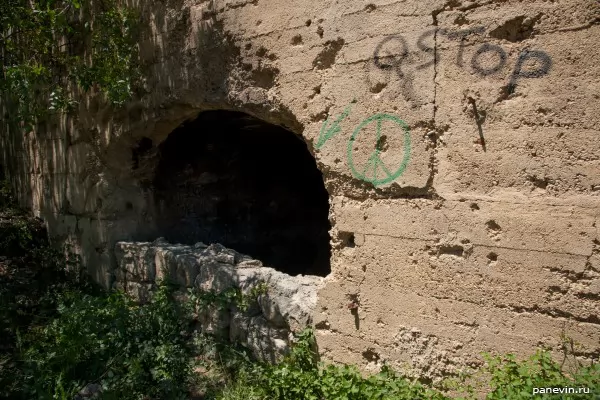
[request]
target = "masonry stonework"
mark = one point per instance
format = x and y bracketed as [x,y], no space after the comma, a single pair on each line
[457,142]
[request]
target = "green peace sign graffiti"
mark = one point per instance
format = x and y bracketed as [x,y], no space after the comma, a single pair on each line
[375,171]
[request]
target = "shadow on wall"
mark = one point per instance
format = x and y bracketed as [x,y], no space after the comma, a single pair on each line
[78,172]
[233,179]
[226,177]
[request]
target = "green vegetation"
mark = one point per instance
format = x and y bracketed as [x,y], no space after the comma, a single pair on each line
[512,379]
[33,276]
[132,351]
[51,49]
[301,376]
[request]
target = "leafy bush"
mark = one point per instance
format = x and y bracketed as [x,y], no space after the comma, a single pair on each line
[513,380]
[33,275]
[131,350]
[52,48]
[301,377]
[60,332]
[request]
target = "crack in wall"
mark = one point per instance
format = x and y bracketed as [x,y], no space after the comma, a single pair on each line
[537,310]
[339,183]
[436,132]
[547,312]
[478,244]
[551,312]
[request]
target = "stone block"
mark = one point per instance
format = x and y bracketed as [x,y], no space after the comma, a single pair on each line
[271,311]
[222,254]
[216,276]
[140,292]
[248,278]
[266,342]
[177,263]
[263,327]
[238,327]
[225,258]
[137,260]
[290,299]
[215,320]
[187,269]
[165,263]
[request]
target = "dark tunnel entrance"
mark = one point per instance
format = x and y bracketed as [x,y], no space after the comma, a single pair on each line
[252,186]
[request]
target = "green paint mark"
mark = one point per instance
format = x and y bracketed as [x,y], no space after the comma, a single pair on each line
[375,171]
[328,131]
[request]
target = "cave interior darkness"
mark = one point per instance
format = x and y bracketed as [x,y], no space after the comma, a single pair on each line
[230,178]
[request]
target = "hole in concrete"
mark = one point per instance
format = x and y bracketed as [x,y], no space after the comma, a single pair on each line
[556,289]
[378,87]
[461,20]
[320,32]
[261,52]
[474,206]
[326,58]
[230,178]
[516,29]
[347,239]
[323,325]
[316,91]
[382,144]
[371,355]
[493,226]
[492,256]
[452,250]
[540,183]
[263,76]
[297,40]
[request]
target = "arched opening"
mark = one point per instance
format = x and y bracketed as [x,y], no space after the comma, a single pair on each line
[230,178]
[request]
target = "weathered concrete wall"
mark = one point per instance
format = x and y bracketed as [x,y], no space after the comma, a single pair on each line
[458,143]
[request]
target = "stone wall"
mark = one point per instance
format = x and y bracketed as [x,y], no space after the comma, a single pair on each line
[457,141]
[265,325]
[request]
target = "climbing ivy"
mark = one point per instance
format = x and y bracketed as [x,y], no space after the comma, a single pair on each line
[52,49]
